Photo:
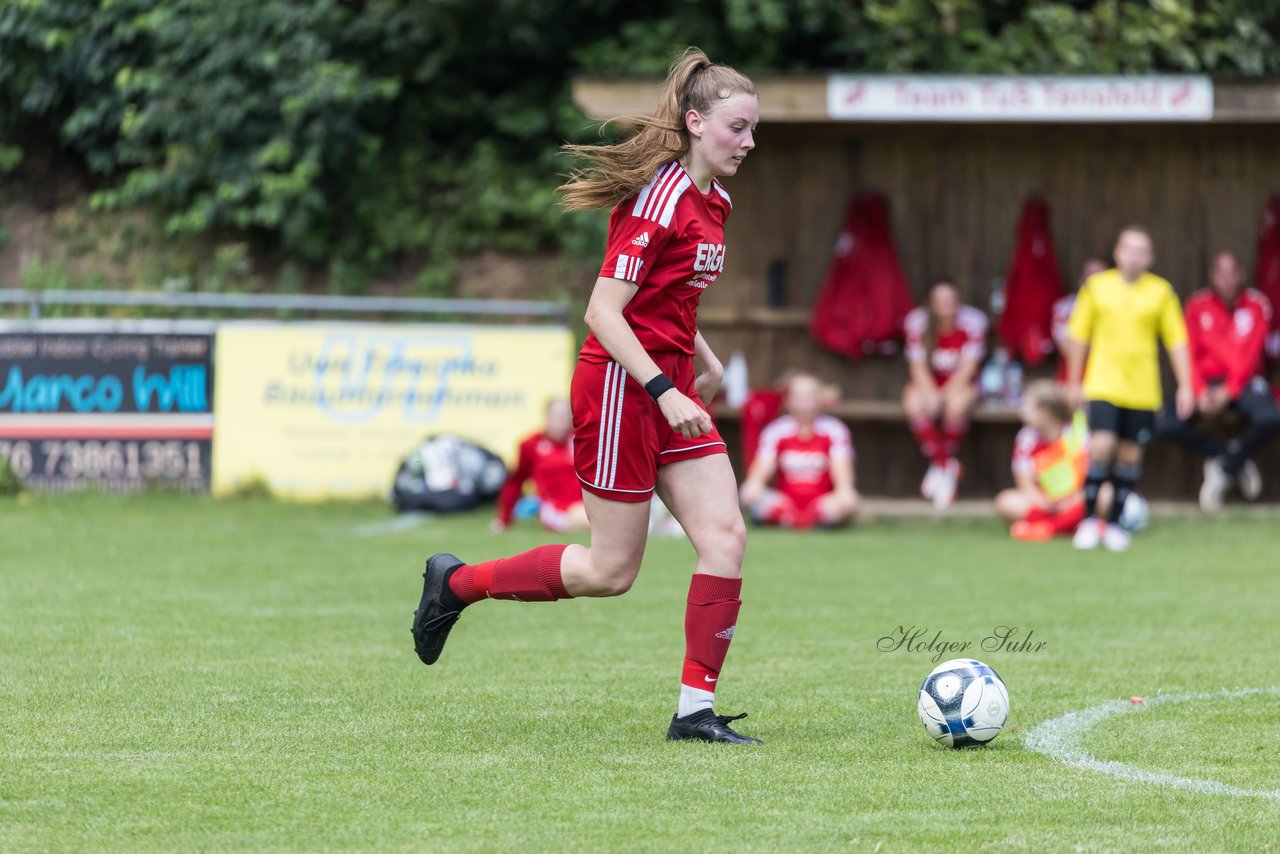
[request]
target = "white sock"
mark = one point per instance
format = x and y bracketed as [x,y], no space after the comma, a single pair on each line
[694,700]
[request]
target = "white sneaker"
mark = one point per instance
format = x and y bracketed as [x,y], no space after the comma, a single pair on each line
[1115,538]
[1215,484]
[944,492]
[1249,479]
[929,485]
[1088,534]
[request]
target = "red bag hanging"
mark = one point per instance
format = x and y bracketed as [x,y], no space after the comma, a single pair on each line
[1267,270]
[864,298]
[1032,285]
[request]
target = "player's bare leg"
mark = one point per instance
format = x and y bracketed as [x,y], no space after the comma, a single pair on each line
[702,494]
[922,410]
[957,402]
[1012,505]
[609,566]
[837,508]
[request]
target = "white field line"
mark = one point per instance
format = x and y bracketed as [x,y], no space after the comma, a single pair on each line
[1062,739]
[395,525]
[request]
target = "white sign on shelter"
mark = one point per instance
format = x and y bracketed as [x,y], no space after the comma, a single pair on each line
[1019,99]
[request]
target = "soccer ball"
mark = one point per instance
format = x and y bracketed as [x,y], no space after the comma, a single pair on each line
[1135,513]
[963,703]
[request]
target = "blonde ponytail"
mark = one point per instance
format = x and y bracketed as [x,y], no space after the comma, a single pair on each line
[616,172]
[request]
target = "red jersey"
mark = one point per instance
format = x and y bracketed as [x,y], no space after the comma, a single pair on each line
[1026,445]
[804,461]
[967,340]
[1226,343]
[550,465]
[669,240]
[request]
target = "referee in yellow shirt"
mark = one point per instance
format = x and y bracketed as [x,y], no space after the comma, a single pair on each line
[1118,317]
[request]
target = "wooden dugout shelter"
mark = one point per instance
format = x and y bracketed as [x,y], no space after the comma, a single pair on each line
[956,174]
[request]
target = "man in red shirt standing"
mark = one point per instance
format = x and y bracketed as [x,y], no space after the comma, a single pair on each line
[546,458]
[1227,325]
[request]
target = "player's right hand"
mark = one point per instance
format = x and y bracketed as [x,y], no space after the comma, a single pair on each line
[1075,395]
[685,417]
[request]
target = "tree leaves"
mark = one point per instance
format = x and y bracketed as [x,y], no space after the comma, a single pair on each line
[365,131]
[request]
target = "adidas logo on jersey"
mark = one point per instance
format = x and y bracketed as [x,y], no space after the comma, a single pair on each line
[641,241]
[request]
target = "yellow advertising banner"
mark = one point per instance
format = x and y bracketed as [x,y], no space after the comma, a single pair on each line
[327,410]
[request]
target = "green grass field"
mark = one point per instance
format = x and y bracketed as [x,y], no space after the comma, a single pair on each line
[182,674]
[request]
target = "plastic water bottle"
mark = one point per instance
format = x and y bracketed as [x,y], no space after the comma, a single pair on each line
[736,386]
[991,383]
[997,297]
[1013,383]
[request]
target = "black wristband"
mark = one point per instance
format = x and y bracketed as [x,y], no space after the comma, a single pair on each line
[658,386]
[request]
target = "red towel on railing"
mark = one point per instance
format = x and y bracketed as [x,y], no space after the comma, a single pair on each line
[1031,287]
[1267,271]
[864,298]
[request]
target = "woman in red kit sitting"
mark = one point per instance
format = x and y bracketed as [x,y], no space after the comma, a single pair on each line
[946,341]
[546,458]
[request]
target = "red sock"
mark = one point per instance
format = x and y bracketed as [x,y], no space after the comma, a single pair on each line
[952,433]
[533,576]
[709,620]
[926,433]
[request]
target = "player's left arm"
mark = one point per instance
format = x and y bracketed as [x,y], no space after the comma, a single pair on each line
[708,381]
[842,474]
[1248,355]
[841,460]
[1173,332]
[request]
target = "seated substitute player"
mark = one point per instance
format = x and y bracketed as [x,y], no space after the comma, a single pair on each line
[1119,315]
[1227,327]
[639,420]
[808,457]
[945,345]
[546,458]
[1050,455]
[1062,314]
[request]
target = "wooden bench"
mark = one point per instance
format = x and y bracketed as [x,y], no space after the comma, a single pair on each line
[890,465]
[888,462]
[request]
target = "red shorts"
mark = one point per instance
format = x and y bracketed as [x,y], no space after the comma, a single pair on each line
[801,498]
[620,437]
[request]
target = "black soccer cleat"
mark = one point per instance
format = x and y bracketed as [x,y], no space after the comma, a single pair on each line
[435,616]
[706,725]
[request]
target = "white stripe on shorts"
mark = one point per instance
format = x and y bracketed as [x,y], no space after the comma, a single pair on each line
[617,425]
[604,420]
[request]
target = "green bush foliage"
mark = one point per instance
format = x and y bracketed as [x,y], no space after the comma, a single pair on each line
[357,132]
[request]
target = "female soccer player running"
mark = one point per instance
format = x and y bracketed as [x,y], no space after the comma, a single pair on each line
[638,413]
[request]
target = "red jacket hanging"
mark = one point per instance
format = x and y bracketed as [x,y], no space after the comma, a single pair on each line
[1032,285]
[1267,273]
[864,298]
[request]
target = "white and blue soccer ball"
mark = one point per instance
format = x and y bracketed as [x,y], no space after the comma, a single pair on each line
[1135,514]
[963,703]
